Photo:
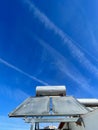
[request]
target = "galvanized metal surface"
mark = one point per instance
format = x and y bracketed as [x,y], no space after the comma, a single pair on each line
[67,106]
[89,102]
[48,120]
[49,106]
[32,107]
[50,91]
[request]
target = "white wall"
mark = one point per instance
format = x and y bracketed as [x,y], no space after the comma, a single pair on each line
[90,121]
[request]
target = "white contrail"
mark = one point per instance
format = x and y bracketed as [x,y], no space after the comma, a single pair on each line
[62,64]
[22,72]
[16,93]
[74,50]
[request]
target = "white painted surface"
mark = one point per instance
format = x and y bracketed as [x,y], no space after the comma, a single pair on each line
[90,121]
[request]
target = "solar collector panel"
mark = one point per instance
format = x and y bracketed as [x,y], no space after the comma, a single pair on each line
[67,106]
[32,107]
[49,106]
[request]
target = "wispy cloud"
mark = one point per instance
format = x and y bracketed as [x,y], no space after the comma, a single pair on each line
[66,68]
[89,30]
[94,42]
[21,71]
[74,50]
[16,93]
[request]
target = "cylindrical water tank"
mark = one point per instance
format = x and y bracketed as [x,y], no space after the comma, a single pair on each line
[50,91]
[89,102]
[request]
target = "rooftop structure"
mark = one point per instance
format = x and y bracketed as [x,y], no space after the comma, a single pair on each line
[52,105]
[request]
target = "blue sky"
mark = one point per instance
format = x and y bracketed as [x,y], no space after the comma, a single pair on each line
[51,42]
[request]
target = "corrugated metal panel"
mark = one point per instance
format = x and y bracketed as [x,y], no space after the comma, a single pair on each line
[67,106]
[32,106]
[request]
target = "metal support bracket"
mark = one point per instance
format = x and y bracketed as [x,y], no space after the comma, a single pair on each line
[48,120]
